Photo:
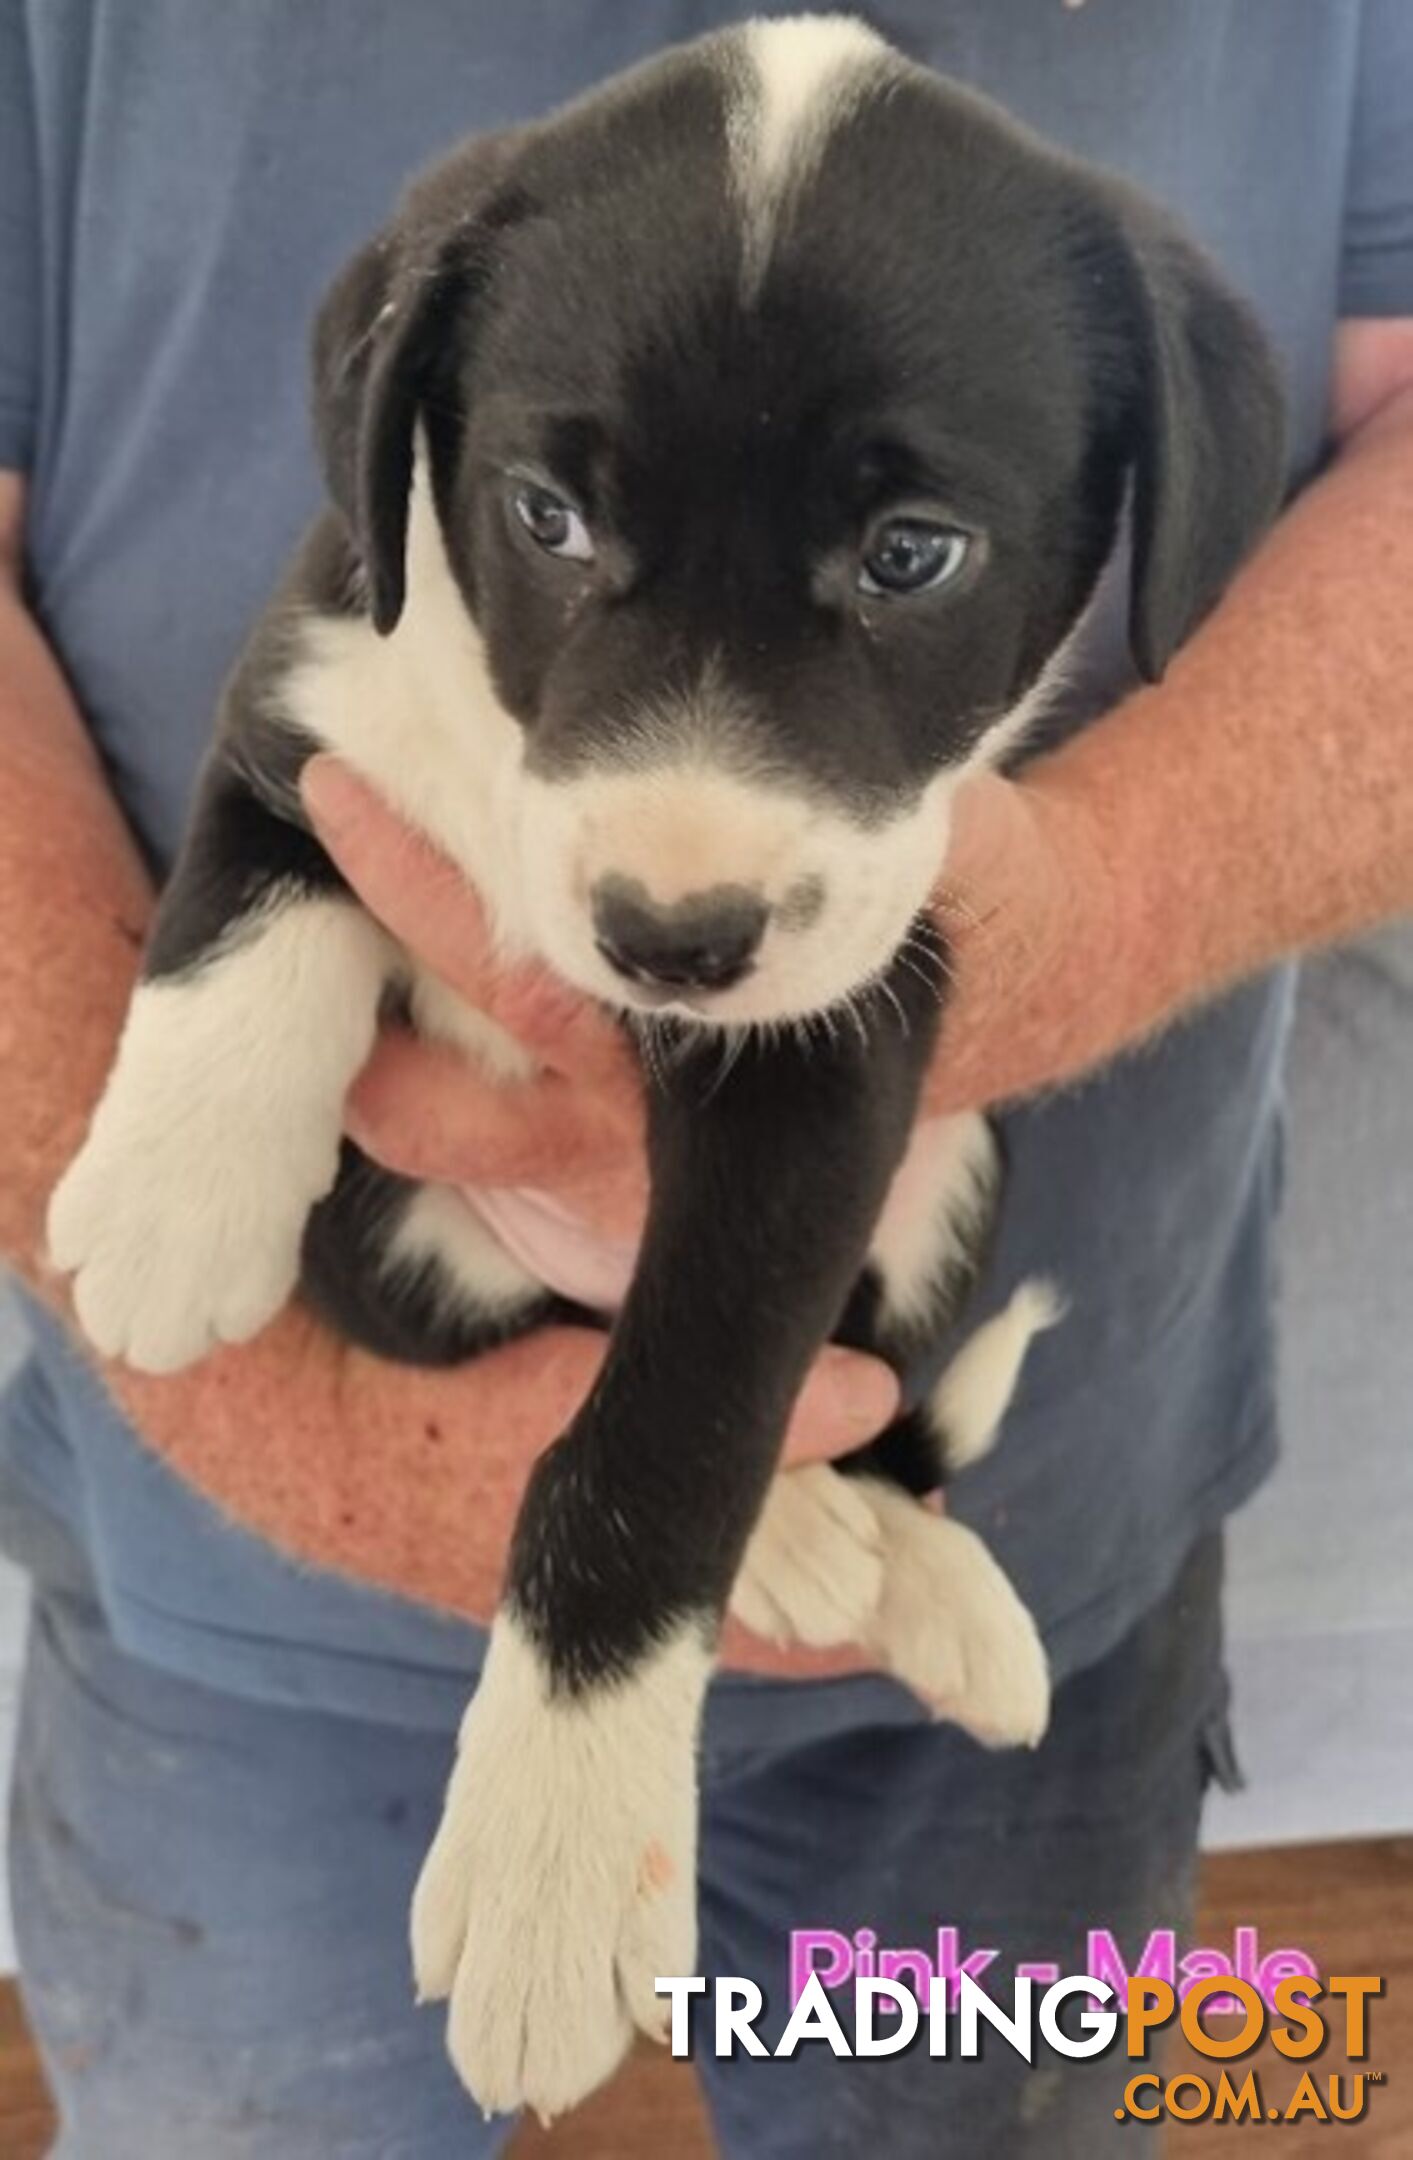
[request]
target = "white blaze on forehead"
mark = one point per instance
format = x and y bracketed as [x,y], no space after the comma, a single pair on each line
[799,78]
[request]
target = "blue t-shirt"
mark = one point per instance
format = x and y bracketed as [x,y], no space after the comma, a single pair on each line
[176,186]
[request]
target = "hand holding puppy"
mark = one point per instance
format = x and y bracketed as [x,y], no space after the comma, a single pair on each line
[1025,867]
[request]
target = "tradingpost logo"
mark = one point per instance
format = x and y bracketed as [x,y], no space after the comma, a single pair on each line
[1303,2019]
[857,1999]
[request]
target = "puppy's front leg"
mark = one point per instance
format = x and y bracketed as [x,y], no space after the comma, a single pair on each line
[562,1880]
[181,1216]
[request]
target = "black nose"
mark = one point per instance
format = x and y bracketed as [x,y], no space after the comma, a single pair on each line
[706,942]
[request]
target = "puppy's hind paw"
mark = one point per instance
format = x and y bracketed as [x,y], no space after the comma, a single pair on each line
[813,1571]
[951,1627]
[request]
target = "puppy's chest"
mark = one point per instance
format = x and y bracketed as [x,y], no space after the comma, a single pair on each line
[415,715]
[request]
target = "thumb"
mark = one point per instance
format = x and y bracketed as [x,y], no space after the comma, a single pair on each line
[847,1398]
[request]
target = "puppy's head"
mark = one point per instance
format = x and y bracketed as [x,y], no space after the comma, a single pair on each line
[780,402]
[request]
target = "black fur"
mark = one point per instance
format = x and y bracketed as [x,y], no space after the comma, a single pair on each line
[956,316]
[241,854]
[766,1186]
[405,1314]
[1062,340]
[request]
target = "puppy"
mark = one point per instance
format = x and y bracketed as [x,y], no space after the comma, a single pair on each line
[717,471]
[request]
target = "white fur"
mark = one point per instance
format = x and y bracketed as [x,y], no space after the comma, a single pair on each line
[442,1016]
[563,1877]
[974,1393]
[813,1570]
[800,77]
[951,1627]
[416,714]
[473,1270]
[182,1214]
[945,1175]
[856,1560]
[684,824]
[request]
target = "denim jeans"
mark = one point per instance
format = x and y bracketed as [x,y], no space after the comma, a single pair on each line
[211,1896]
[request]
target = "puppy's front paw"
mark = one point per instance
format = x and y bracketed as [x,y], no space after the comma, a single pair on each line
[950,1626]
[813,1571]
[181,1217]
[177,1239]
[562,1880]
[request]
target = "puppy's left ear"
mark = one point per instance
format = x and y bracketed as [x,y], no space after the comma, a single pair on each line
[1209,447]
[387,339]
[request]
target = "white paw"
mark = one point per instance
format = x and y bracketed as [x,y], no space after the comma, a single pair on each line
[178,1240]
[182,1215]
[950,1626]
[813,1570]
[562,1880]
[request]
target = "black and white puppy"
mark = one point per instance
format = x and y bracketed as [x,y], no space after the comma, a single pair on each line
[718,469]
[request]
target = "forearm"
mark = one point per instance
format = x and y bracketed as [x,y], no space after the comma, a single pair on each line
[1256,803]
[74,904]
[409,1478]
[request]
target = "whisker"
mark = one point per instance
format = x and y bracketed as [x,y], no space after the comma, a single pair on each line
[645,1034]
[852,1005]
[928,977]
[886,990]
[934,959]
[733,1042]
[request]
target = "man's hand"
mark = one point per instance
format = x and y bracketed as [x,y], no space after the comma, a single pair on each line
[1023,864]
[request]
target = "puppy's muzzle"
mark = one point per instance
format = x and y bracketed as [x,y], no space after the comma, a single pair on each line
[707,941]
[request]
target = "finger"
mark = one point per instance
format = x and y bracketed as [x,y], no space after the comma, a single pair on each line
[420,895]
[847,1399]
[427,1112]
[410,885]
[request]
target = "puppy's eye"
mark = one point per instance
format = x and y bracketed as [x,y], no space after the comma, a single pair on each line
[912,555]
[552,523]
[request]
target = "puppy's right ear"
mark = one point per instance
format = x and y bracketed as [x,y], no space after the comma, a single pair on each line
[391,325]
[1209,442]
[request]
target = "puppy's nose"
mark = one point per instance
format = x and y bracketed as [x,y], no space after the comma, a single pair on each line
[706,942]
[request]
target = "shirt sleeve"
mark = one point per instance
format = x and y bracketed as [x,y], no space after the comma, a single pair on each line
[1376,276]
[19,244]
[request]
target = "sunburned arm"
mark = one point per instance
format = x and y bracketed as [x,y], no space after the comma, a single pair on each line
[1255,804]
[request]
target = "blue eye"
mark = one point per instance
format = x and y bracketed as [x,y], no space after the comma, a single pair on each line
[912,555]
[552,523]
